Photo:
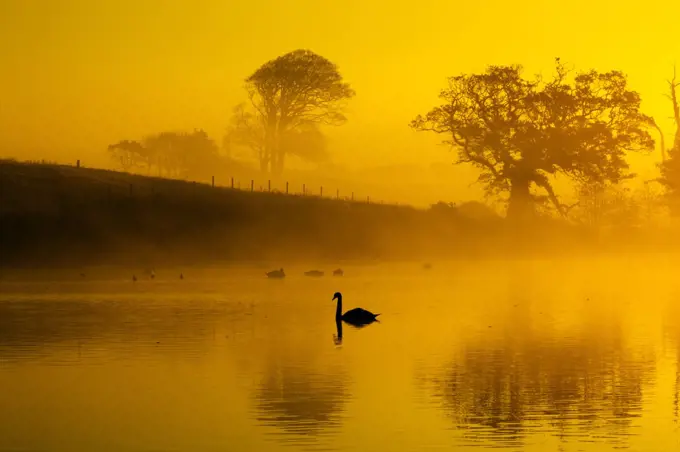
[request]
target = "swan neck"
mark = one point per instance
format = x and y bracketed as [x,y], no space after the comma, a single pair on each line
[338,309]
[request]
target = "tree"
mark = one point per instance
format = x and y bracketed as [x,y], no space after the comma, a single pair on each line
[127,153]
[293,92]
[247,129]
[670,168]
[178,153]
[519,132]
[175,154]
[607,205]
[308,143]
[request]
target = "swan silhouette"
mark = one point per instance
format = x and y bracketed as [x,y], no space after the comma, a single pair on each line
[356,316]
[276,274]
[338,272]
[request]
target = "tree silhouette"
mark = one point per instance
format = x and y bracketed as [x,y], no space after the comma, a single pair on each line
[247,129]
[127,153]
[308,143]
[520,132]
[174,154]
[670,168]
[293,92]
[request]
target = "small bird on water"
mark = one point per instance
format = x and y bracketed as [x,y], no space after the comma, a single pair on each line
[276,274]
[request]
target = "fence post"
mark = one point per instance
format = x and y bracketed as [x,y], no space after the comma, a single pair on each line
[337,193]
[352,196]
[321,191]
[213,181]
[286,187]
[368,199]
[252,184]
[303,189]
[269,185]
[77,163]
[232,182]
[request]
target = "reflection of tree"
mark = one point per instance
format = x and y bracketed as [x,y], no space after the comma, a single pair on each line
[672,325]
[299,401]
[295,396]
[589,384]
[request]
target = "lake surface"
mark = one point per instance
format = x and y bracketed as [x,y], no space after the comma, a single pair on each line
[534,356]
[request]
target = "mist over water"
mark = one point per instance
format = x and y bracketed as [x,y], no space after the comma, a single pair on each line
[580,355]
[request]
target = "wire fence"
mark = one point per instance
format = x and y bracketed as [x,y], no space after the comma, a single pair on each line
[249,185]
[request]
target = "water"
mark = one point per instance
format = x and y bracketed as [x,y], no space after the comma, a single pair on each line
[535,356]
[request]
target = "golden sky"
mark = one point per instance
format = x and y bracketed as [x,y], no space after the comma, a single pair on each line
[79,74]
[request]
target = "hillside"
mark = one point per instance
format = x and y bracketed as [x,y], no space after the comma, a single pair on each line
[51,213]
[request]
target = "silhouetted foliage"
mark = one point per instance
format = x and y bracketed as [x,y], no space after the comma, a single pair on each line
[293,92]
[520,132]
[173,154]
[247,129]
[604,204]
[670,168]
[127,153]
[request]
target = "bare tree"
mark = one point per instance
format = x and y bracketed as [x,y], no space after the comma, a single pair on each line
[670,168]
[292,92]
[247,129]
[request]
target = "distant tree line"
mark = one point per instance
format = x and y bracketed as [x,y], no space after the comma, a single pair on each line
[519,132]
[170,154]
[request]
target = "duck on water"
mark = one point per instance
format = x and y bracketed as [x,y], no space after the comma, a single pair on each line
[277,274]
[356,316]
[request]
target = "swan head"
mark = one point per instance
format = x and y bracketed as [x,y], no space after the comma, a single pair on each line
[337,295]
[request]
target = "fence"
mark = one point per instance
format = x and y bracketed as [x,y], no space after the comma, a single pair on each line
[260,186]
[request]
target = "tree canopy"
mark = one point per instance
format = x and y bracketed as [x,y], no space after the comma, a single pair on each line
[246,129]
[519,132]
[294,92]
[176,154]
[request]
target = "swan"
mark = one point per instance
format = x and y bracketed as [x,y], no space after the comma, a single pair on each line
[356,316]
[338,272]
[276,274]
[314,273]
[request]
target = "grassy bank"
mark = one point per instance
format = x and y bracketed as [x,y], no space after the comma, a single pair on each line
[52,214]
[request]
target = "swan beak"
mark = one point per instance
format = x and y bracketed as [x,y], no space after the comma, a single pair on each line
[334,298]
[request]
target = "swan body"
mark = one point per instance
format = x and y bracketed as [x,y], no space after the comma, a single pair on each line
[338,272]
[356,316]
[276,274]
[314,273]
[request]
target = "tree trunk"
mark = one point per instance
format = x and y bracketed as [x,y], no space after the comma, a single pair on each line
[264,163]
[520,205]
[280,160]
[270,144]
